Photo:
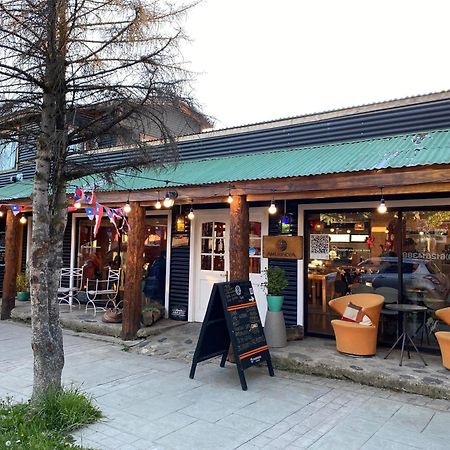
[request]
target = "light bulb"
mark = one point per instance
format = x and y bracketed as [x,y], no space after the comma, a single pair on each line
[127,208]
[158,204]
[191,214]
[1,213]
[331,230]
[77,204]
[272,208]
[168,202]
[23,220]
[382,207]
[230,199]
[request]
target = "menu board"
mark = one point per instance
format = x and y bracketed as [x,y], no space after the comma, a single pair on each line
[232,318]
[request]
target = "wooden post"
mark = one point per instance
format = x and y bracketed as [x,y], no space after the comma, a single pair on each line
[11,264]
[132,305]
[239,238]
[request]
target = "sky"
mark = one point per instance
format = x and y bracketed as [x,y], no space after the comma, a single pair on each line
[258,60]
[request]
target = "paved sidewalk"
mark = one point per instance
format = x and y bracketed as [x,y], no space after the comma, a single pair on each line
[150,403]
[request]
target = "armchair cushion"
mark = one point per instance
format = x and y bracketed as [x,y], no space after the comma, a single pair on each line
[355,313]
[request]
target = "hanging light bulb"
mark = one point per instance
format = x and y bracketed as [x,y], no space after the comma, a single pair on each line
[230,197]
[332,230]
[23,219]
[191,214]
[272,207]
[1,213]
[168,202]
[77,204]
[127,208]
[158,203]
[382,206]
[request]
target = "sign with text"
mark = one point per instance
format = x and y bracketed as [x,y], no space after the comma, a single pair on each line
[232,318]
[283,247]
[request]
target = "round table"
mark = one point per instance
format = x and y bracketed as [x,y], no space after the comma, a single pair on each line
[404,310]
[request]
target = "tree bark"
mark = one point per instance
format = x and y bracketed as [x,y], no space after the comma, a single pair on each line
[239,238]
[132,307]
[11,264]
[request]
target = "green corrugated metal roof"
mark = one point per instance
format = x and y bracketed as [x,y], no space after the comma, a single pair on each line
[13,191]
[419,149]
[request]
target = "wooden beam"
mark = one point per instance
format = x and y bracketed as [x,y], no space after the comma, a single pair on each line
[239,238]
[132,305]
[11,263]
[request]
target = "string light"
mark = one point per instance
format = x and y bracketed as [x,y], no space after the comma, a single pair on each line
[191,214]
[158,203]
[272,208]
[23,219]
[127,207]
[168,202]
[230,197]
[77,204]
[382,208]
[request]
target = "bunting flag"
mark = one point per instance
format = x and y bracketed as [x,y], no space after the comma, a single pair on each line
[72,209]
[90,212]
[98,217]
[16,209]
[79,194]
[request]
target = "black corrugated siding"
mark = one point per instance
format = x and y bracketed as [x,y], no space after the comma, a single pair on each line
[289,265]
[403,119]
[179,273]
[66,242]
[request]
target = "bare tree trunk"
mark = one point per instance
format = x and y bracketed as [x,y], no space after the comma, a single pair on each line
[239,238]
[11,260]
[49,212]
[132,305]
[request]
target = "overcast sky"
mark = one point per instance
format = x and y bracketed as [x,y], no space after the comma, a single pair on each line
[259,60]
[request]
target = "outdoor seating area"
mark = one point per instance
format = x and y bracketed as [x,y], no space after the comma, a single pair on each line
[98,294]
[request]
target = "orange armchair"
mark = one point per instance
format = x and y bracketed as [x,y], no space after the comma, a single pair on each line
[353,338]
[443,337]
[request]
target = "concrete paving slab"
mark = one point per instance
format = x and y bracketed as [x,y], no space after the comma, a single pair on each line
[150,403]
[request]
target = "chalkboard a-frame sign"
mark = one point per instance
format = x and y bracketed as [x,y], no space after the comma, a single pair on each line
[232,317]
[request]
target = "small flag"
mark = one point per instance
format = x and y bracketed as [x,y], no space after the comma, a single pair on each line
[79,194]
[98,217]
[90,212]
[15,209]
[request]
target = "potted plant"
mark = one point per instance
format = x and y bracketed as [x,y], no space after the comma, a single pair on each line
[275,283]
[151,313]
[23,287]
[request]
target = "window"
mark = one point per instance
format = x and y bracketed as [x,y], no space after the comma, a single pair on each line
[254,250]
[8,155]
[213,246]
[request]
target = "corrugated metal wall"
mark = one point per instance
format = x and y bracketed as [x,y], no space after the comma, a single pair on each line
[179,272]
[289,265]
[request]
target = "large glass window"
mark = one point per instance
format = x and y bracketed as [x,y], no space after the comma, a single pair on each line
[349,252]
[8,155]
[404,256]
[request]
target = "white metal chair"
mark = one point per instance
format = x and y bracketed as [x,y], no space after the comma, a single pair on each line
[69,285]
[103,291]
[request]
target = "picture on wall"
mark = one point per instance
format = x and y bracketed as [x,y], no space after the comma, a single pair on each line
[319,246]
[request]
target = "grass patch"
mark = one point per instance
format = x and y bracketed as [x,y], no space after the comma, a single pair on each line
[48,424]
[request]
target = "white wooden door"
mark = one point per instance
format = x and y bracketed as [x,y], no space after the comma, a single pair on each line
[212,231]
[211,255]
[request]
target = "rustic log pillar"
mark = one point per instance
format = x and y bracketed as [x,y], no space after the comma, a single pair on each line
[12,257]
[239,238]
[132,304]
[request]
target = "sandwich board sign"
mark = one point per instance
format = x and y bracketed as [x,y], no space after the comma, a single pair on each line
[232,318]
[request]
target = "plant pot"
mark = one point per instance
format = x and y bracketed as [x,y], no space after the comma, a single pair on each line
[275,302]
[23,296]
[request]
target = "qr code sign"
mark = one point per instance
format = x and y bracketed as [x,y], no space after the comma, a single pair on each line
[319,246]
